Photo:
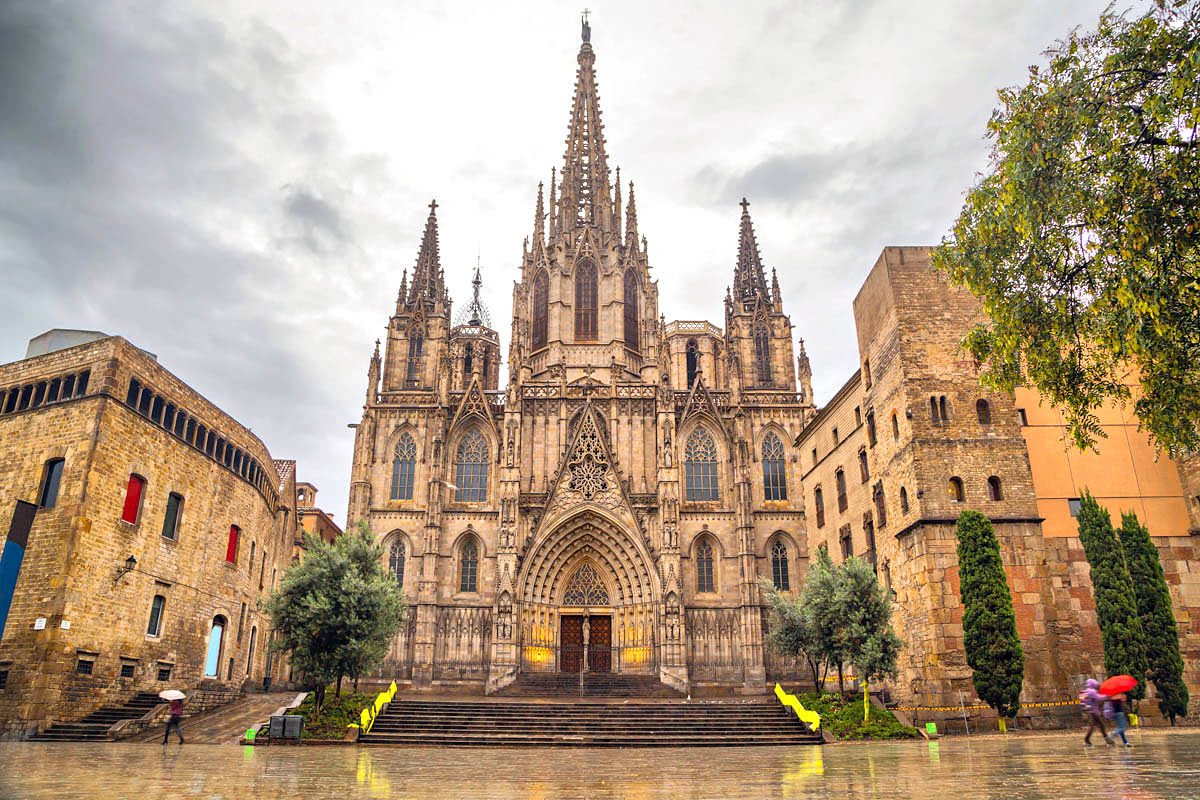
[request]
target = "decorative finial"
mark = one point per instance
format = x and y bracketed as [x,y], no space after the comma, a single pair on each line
[587,29]
[432,206]
[745,205]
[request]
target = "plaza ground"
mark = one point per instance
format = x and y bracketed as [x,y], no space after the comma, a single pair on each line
[1162,764]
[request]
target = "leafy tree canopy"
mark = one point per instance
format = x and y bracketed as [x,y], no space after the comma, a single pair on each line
[1081,241]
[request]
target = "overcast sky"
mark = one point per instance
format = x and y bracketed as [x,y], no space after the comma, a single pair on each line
[236,185]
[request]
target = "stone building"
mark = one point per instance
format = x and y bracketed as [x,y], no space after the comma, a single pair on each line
[912,440]
[313,520]
[629,485]
[145,527]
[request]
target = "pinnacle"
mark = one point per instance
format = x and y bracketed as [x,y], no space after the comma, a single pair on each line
[428,282]
[749,281]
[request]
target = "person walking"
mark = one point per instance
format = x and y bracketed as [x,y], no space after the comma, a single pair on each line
[1117,701]
[176,711]
[1093,705]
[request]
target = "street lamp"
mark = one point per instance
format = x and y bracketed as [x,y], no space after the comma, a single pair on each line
[130,563]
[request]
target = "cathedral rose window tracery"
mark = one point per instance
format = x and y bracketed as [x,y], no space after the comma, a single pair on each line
[588,465]
[585,588]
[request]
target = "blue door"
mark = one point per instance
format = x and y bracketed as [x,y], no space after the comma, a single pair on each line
[212,664]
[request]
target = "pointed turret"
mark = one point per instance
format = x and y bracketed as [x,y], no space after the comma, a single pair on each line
[553,209]
[403,293]
[804,371]
[539,221]
[631,224]
[475,312]
[584,188]
[616,214]
[373,375]
[749,282]
[775,291]
[428,282]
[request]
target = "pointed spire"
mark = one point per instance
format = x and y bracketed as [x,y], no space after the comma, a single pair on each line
[631,225]
[804,372]
[775,291]
[749,282]
[585,183]
[539,220]
[475,312]
[403,292]
[428,281]
[373,375]
[616,214]
[553,209]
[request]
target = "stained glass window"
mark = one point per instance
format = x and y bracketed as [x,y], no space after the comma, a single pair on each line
[471,468]
[404,465]
[416,344]
[468,569]
[631,310]
[704,567]
[585,588]
[774,476]
[700,467]
[586,297]
[396,561]
[541,309]
[779,566]
[762,352]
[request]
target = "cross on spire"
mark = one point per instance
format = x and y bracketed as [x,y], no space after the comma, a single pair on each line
[749,280]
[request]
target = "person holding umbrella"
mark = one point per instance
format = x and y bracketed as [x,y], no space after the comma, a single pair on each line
[175,698]
[1115,688]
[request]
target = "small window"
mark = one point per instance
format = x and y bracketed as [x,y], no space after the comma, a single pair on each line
[895,427]
[231,549]
[857,415]
[1074,505]
[51,478]
[871,428]
[154,627]
[983,410]
[3,679]
[880,506]
[164,673]
[133,499]
[847,543]
[933,411]
[994,490]
[903,500]
[815,456]
[704,567]
[954,487]
[819,503]
[468,571]
[135,389]
[840,480]
[84,666]
[944,408]
[862,466]
[170,527]
[836,439]
[693,362]
[867,372]
[241,623]
[250,564]
[1021,418]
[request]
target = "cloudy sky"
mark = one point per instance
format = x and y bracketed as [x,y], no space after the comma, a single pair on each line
[236,185]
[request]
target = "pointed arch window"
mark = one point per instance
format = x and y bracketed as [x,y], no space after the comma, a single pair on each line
[541,310]
[468,363]
[774,475]
[631,310]
[700,467]
[585,588]
[954,487]
[586,302]
[704,567]
[404,466]
[762,351]
[693,361]
[416,345]
[468,567]
[396,561]
[471,468]
[779,566]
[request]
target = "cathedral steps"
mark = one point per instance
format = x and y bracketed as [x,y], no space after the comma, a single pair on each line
[595,684]
[94,727]
[643,724]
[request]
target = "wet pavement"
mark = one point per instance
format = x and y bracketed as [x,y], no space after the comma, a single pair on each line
[225,724]
[1054,767]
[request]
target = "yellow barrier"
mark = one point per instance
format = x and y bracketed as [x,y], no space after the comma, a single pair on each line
[366,718]
[790,701]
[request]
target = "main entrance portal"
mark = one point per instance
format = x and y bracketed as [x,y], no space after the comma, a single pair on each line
[599,642]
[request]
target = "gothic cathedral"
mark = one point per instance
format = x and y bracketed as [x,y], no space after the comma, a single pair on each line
[613,507]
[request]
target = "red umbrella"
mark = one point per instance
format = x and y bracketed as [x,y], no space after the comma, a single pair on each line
[1117,684]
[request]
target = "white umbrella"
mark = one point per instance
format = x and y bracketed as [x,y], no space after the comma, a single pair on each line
[172,694]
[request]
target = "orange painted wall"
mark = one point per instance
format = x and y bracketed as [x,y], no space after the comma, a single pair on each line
[1125,472]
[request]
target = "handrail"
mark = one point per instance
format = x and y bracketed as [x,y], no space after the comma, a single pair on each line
[791,701]
[117,729]
[366,717]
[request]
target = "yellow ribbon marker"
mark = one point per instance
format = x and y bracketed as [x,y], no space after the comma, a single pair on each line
[805,715]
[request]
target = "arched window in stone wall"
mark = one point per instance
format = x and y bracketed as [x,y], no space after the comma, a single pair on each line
[819,505]
[416,345]
[995,493]
[471,469]
[396,560]
[468,363]
[762,351]
[631,310]
[774,474]
[468,566]
[704,567]
[983,410]
[779,566]
[700,468]
[693,361]
[404,465]
[541,310]
[954,487]
[586,302]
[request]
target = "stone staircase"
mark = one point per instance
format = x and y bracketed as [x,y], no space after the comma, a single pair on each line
[595,684]
[94,727]
[660,723]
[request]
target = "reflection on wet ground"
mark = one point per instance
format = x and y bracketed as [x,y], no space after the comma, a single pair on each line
[1055,767]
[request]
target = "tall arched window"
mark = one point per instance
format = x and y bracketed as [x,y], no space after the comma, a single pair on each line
[416,344]
[895,427]
[994,490]
[404,465]
[984,411]
[396,561]
[468,567]
[631,310]
[468,363]
[779,566]
[880,505]
[954,487]
[51,478]
[839,478]
[693,361]
[216,640]
[470,469]
[944,408]
[704,567]
[700,467]
[586,302]
[819,505]
[903,500]
[933,411]
[762,352]
[774,477]
[541,309]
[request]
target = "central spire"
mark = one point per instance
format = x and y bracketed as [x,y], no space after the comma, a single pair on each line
[749,280]
[584,197]
[428,282]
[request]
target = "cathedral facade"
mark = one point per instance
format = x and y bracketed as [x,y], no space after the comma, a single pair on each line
[613,507]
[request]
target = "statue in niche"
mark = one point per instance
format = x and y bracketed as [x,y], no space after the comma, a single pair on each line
[668,451]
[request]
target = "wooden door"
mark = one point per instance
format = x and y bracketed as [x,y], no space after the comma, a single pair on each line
[570,640]
[600,644]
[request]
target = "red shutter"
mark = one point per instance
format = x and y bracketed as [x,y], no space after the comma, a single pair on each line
[231,550]
[133,500]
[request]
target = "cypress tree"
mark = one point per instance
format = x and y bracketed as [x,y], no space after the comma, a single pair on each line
[1158,620]
[1116,604]
[994,652]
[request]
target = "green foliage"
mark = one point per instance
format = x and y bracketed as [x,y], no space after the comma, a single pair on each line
[1116,605]
[1082,240]
[994,652]
[819,600]
[790,629]
[843,717]
[1158,619]
[334,715]
[866,635]
[337,612]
